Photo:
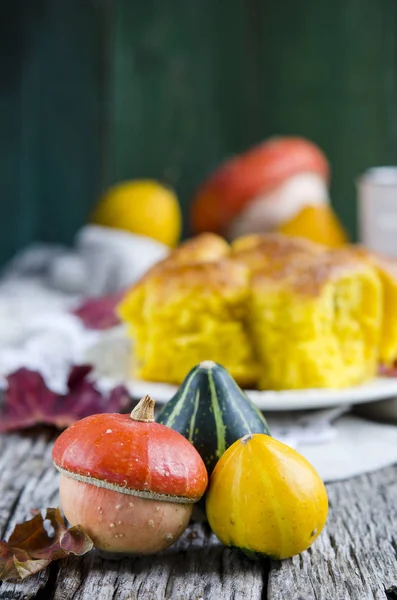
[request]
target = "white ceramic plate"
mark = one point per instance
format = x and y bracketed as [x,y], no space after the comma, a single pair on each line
[381,388]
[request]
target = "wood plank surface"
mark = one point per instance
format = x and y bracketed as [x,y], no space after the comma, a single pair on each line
[354,559]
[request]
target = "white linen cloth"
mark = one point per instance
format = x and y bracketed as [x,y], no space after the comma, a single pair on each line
[42,284]
[37,331]
[337,444]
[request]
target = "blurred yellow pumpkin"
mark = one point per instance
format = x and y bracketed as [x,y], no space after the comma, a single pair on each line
[265,498]
[318,223]
[144,207]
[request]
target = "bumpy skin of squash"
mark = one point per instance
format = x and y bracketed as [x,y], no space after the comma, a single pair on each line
[266,498]
[122,523]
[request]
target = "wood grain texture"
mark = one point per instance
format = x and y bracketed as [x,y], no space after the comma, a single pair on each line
[354,558]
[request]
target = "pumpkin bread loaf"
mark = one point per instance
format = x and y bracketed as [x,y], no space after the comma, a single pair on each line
[316,324]
[277,312]
[184,314]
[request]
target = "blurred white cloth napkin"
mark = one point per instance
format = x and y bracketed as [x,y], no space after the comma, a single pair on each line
[105,260]
[102,261]
[42,284]
[337,444]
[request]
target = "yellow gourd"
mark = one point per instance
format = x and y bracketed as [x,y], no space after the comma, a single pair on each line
[265,498]
[318,223]
[144,207]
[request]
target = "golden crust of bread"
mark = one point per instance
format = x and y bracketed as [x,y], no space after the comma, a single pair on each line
[246,242]
[223,277]
[274,249]
[309,274]
[275,244]
[205,247]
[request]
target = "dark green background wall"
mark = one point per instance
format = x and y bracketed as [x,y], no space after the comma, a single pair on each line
[93,91]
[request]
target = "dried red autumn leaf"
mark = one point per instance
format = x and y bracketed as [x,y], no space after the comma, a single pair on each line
[99,313]
[29,402]
[36,543]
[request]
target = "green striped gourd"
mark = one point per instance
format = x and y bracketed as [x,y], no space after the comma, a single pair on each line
[212,412]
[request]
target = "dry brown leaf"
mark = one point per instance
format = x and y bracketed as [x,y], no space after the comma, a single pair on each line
[36,543]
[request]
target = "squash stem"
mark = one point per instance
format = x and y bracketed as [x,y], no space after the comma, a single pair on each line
[144,410]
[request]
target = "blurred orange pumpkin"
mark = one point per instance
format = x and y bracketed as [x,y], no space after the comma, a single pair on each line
[264,188]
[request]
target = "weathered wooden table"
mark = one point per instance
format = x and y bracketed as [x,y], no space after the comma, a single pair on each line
[354,558]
